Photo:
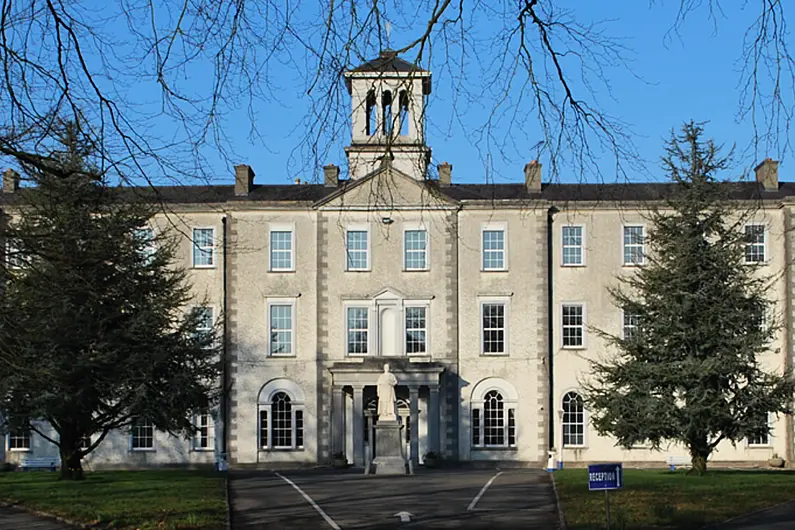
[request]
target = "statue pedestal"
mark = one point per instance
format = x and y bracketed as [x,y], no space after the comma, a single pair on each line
[391,459]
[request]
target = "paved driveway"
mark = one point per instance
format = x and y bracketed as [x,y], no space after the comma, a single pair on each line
[440,499]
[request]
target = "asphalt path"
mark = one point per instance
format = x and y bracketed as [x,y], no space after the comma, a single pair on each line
[434,499]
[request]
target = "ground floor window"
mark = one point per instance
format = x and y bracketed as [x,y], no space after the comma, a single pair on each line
[573,420]
[281,423]
[19,440]
[203,438]
[494,421]
[143,435]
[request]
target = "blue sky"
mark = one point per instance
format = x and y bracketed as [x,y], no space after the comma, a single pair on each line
[673,78]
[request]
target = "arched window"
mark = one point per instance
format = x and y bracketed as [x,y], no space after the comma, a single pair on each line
[281,416]
[404,113]
[493,414]
[573,420]
[370,114]
[386,103]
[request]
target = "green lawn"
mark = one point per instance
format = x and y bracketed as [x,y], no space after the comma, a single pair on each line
[125,499]
[656,498]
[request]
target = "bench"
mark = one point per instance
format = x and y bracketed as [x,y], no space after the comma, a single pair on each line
[674,460]
[50,462]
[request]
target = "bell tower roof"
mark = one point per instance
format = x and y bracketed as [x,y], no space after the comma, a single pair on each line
[388,64]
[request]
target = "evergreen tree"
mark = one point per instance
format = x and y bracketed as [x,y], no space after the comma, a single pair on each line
[95,325]
[691,371]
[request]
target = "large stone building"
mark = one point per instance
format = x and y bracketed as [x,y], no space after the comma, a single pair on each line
[479,296]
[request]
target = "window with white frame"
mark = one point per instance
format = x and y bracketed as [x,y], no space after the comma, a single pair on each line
[203,438]
[493,327]
[143,435]
[416,330]
[493,420]
[281,423]
[634,241]
[573,420]
[762,438]
[357,330]
[19,440]
[631,324]
[204,325]
[493,249]
[281,250]
[573,325]
[754,243]
[572,245]
[145,237]
[282,327]
[415,250]
[357,250]
[203,247]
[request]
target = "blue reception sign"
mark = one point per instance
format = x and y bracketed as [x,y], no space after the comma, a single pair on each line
[605,477]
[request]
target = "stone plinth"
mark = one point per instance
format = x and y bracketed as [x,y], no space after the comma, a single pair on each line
[391,459]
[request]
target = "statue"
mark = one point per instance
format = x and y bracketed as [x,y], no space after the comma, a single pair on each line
[386,395]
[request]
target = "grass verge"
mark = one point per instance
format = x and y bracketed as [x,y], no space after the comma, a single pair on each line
[664,499]
[161,499]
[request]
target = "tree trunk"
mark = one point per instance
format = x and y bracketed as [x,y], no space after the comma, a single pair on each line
[71,466]
[699,461]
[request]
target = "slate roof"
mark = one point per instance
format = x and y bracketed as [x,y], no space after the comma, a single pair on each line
[387,62]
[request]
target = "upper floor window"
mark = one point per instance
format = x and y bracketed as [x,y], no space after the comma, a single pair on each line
[634,240]
[631,324]
[143,435]
[281,250]
[754,243]
[204,324]
[203,438]
[358,330]
[146,238]
[573,325]
[203,247]
[282,327]
[357,250]
[19,440]
[416,330]
[415,250]
[493,249]
[573,420]
[572,245]
[493,331]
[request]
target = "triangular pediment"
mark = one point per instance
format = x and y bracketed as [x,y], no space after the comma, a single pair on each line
[389,294]
[386,189]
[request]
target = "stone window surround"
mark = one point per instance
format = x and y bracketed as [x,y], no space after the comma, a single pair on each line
[581,246]
[282,227]
[281,301]
[411,227]
[359,227]
[495,300]
[510,402]
[624,244]
[562,412]
[759,246]
[264,403]
[584,342]
[195,248]
[494,226]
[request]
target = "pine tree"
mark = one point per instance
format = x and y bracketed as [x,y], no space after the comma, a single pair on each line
[94,331]
[691,372]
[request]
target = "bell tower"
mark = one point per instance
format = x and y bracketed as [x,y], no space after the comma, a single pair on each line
[388,116]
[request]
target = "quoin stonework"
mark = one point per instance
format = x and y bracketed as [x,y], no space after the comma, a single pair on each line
[481,297]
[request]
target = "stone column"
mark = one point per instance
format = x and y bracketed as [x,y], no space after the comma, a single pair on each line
[358,427]
[433,420]
[337,420]
[414,407]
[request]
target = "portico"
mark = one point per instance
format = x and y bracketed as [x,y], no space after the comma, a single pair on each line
[354,412]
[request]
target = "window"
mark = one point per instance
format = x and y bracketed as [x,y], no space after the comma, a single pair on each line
[19,440]
[204,325]
[416,330]
[573,420]
[356,249]
[84,442]
[493,249]
[203,252]
[404,113]
[633,245]
[14,257]
[572,245]
[203,437]
[415,250]
[493,330]
[754,243]
[762,438]
[370,114]
[281,250]
[494,421]
[386,105]
[631,324]
[282,336]
[357,330]
[143,435]
[145,237]
[573,327]
[281,423]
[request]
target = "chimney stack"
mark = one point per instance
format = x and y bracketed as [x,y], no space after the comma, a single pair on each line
[331,176]
[767,174]
[532,176]
[10,181]
[445,174]
[244,180]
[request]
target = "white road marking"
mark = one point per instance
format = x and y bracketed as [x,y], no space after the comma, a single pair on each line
[482,491]
[314,505]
